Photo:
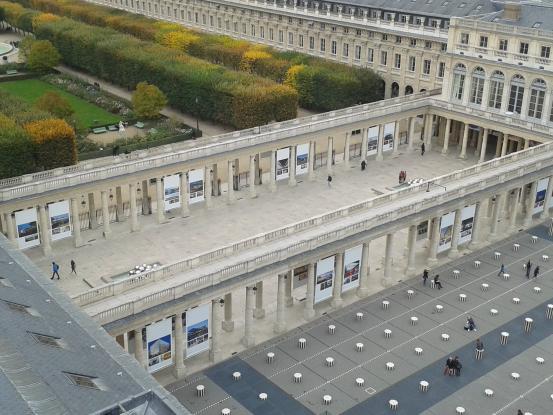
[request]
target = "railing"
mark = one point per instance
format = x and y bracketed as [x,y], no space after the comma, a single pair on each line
[323,221]
[92,170]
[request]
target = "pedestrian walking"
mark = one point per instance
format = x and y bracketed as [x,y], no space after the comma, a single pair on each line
[55,270]
[536,272]
[73,267]
[423,149]
[528,268]
[437,282]
[457,366]
[329,180]
[363,165]
[424,277]
[501,271]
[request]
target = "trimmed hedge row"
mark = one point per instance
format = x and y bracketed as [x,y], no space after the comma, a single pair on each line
[356,85]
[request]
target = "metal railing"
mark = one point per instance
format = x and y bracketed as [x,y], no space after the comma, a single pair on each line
[492,167]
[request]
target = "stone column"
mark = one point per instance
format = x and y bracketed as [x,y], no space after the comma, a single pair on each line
[380,144]
[139,348]
[346,150]
[207,187]
[504,145]
[428,131]
[105,214]
[548,192]
[364,143]
[289,280]
[215,186]
[396,138]
[76,223]
[479,142]
[446,136]
[119,204]
[92,211]
[217,307]
[160,211]
[133,210]
[179,370]
[454,251]
[463,154]
[338,280]
[44,230]
[531,200]
[228,323]
[364,272]
[292,167]
[249,339]
[272,179]
[311,159]
[184,198]
[514,209]
[258,172]
[434,240]
[146,201]
[259,311]
[478,223]
[280,323]
[526,144]
[498,146]
[496,215]
[309,311]
[484,145]
[251,181]
[387,281]
[11,227]
[411,133]
[230,181]
[329,152]
[411,249]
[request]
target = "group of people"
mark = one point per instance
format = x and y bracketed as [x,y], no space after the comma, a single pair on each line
[453,366]
[402,176]
[56,269]
[529,268]
[436,279]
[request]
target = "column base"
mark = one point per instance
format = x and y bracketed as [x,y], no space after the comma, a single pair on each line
[78,243]
[180,371]
[362,292]
[273,187]
[527,223]
[462,156]
[475,245]
[379,157]
[430,261]
[248,341]
[445,152]
[289,301]
[386,282]
[253,195]
[410,271]
[258,313]
[308,314]
[135,228]
[213,355]
[227,326]
[107,235]
[453,253]
[292,183]
[47,251]
[279,328]
[493,237]
[336,302]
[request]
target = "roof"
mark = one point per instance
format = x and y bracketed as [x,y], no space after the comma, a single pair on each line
[35,378]
[532,15]
[439,8]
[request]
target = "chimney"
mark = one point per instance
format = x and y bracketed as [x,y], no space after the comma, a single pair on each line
[511,11]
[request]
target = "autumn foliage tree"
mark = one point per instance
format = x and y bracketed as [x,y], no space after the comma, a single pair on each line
[54,142]
[43,56]
[55,104]
[148,100]
[16,149]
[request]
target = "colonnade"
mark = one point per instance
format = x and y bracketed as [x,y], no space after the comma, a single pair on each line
[490,218]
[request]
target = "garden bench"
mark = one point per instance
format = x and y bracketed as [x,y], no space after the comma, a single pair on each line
[11,72]
[113,128]
[139,124]
[99,130]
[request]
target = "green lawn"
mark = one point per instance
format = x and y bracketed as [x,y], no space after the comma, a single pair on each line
[85,113]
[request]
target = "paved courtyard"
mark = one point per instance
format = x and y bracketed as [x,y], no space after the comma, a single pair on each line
[514,299]
[203,230]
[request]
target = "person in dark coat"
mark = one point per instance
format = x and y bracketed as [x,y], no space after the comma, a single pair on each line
[437,282]
[424,276]
[536,271]
[55,270]
[528,268]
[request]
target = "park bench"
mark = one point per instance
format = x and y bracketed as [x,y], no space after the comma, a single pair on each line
[11,72]
[139,124]
[99,130]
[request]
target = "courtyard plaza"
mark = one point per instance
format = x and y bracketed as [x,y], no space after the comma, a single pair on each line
[371,370]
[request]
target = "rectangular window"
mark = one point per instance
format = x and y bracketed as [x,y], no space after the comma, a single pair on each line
[196,18]
[333,47]
[464,38]
[244,28]
[483,41]
[323,45]
[503,44]
[290,38]
[357,52]
[413,42]
[345,50]
[281,36]
[227,25]
[384,36]
[426,67]
[300,41]
[311,42]
[83,381]
[412,63]
[211,20]
[236,27]
[523,49]
[252,29]
[545,52]
[271,34]
[398,39]
[370,55]
[219,22]
[427,44]
[262,32]
[441,69]
[444,47]
[383,58]
[204,19]
[397,61]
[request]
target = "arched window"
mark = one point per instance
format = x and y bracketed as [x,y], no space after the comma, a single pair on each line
[516,94]
[497,83]
[477,85]
[459,74]
[537,96]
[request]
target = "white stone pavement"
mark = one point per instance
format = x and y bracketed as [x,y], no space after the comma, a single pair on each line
[205,230]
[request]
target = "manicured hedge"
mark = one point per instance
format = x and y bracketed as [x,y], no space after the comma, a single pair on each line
[16,149]
[356,85]
[229,97]
[54,142]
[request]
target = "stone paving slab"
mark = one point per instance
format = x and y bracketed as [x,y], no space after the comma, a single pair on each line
[370,350]
[314,401]
[347,383]
[341,333]
[376,335]
[290,347]
[310,380]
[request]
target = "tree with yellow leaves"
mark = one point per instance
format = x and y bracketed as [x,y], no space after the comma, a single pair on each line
[54,142]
